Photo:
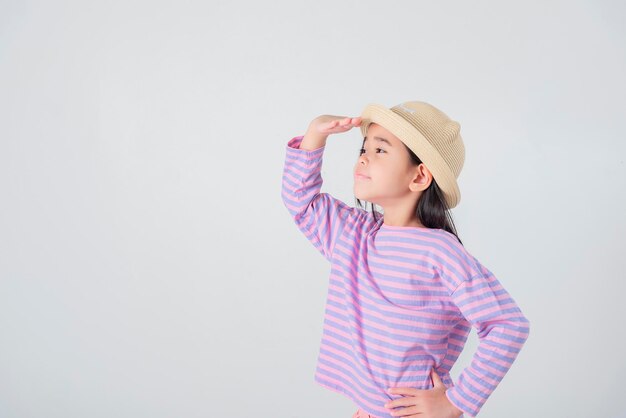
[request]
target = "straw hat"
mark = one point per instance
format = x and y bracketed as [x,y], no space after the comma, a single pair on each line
[430,134]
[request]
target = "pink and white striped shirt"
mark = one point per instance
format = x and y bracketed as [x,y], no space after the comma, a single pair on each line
[400,301]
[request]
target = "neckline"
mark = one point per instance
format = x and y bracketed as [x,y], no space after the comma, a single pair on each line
[383,225]
[421,228]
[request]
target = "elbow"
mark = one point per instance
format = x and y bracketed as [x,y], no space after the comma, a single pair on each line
[515,328]
[526,328]
[521,329]
[520,325]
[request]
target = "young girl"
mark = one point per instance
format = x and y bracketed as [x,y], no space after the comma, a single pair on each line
[403,292]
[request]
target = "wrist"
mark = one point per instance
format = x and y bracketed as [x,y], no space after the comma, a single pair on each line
[313,140]
[456,412]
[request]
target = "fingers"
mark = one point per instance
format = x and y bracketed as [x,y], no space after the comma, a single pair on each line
[436,380]
[336,124]
[405,412]
[345,123]
[404,401]
[402,390]
[350,121]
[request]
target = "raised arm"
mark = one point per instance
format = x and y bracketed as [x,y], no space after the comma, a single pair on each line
[320,216]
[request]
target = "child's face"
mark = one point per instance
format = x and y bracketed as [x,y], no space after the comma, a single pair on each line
[392,178]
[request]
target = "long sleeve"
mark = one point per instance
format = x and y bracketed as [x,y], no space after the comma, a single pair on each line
[319,216]
[502,331]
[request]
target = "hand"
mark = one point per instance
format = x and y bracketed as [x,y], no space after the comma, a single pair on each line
[325,125]
[425,403]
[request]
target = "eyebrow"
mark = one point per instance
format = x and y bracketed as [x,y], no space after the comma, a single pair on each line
[379,139]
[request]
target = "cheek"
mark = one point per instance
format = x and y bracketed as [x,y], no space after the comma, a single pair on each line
[391,171]
[394,178]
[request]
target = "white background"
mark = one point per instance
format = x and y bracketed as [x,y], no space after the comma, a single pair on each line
[148,267]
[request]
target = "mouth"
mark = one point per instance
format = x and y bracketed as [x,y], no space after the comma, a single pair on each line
[361,177]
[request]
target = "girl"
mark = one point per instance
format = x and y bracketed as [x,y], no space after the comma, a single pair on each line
[403,292]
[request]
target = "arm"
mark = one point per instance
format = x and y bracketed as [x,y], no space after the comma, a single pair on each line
[318,215]
[502,331]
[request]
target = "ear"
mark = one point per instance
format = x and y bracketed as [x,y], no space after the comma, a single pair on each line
[421,178]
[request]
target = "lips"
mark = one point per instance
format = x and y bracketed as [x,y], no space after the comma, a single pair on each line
[359,176]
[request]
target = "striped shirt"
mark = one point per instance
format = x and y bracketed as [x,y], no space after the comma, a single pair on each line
[400,301]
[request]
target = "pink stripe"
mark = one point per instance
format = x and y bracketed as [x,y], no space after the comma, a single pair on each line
[460,264]
[416,334]
[504,353]
[395,321]
[406,277]
[322,367]
[390,343]
[423,377]
[465,404]
[492,309]
[477,386]
[390,311]
[393,310]
[383,360]
[487,365]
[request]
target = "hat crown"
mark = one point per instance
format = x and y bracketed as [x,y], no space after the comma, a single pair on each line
[441,132]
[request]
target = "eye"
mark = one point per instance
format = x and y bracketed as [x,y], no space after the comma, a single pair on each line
[362,150]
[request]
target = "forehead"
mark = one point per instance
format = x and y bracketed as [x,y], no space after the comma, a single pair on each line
[375,129]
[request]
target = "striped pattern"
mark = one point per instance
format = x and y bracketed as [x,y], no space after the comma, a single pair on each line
[400,301]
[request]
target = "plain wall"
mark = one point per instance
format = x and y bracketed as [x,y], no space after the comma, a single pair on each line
[148,267]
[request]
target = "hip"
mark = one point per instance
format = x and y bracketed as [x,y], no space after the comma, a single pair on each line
[362,414]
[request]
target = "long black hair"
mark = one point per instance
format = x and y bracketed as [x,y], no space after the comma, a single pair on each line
[432,210]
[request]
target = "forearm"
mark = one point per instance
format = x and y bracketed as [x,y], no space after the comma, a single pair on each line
[318,215]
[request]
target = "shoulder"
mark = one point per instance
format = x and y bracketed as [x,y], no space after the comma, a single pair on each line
[452,260]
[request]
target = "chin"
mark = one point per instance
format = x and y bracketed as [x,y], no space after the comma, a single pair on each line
[362,196]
